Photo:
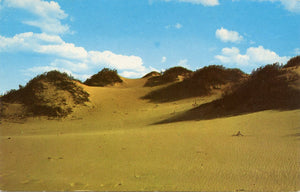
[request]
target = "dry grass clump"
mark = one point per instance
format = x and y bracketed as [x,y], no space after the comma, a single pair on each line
[51,94]
[103,78]
[170,75]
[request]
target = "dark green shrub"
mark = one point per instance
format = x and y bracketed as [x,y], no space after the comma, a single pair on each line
[200,83]
[170,75]
[103,78]
[31,94]
[293,62]
[152,74]
[267,88]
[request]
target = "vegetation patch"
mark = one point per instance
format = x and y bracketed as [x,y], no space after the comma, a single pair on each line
[200,83]
[170,75]
[152,74]
[103,78]
[51,94]
[267,88]
[293,62]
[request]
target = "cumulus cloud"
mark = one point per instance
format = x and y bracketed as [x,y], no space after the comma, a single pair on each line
[41,69]
[49,14]
[66,64]
[132,74]
[232,55]
[64,50]
[41,43]
[70,57]
[290,5]
[228,36]
[254,56]
[202,2]
[28,41]
[122,62]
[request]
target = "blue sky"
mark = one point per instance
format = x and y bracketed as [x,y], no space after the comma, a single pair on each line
[81,37]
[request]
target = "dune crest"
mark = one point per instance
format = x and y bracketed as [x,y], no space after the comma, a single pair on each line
[51,94]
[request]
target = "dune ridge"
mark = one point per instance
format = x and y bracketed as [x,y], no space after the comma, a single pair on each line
[112,142]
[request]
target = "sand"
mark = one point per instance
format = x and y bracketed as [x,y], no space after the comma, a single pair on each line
[113,144]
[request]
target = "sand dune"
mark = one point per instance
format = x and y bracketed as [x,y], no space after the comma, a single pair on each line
[113,144]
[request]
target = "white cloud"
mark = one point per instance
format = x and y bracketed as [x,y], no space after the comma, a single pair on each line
[41,69]
[70,58]
[202,2]
[41,43]
[133,74]
[121,62]
[228,36]
[51,26]
[33,71]
[49,14]
[265,56]
[163,59]
[183,63]
[232,55]
[178,26]
[254,56]
[27,41]
[77,67]
[290,5]
[64,50]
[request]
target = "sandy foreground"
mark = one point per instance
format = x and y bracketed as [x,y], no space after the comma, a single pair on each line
[112,144]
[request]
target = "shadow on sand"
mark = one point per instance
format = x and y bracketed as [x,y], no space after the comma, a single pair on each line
[268,88]
[216,109]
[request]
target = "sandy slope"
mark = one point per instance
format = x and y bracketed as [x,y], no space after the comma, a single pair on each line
[112,145]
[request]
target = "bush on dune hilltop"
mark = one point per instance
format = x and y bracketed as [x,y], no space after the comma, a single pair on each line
[170,75]
[152,74]
[51,94]
[200,83]
[103,78]
[267,88]
[215,75]
[294,62]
